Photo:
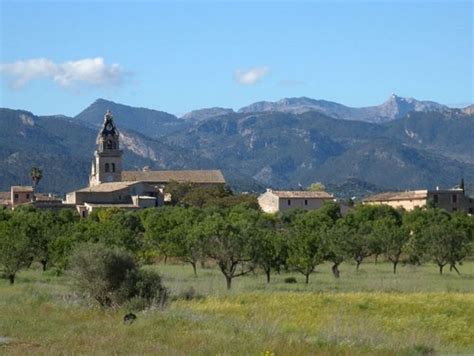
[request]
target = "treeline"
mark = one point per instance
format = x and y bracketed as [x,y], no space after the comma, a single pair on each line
[239,238]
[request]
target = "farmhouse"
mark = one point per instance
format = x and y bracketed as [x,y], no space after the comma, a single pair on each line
[448,199]
[110,186]
[273,201]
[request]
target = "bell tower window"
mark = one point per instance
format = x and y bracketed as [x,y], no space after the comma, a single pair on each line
[107,167]
[113,167]
[109,144]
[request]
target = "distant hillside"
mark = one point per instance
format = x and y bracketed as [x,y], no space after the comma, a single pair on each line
[286,150]
[449,133]
[149,122]
[204,114]
[394,108]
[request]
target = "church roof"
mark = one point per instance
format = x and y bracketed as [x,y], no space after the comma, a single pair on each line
[107,187]
[191,176]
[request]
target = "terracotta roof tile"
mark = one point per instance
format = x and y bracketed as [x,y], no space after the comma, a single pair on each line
[194,176]
[107,187]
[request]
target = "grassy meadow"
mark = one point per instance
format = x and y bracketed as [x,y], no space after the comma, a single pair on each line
[416,311]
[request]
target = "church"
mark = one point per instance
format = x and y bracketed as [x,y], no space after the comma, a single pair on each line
[111,186]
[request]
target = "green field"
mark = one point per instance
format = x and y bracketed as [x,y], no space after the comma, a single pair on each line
[416,311]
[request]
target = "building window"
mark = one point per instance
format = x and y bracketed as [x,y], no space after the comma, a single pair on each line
[471,210]
[306,202]
[113,167]
[16,197]
[455,198]
[27,196]
[107,168]
[455,209]
[435,198]
[289,202]
[109,145]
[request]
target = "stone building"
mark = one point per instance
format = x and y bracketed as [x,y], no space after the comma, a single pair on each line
[21,195]
[449,199]
[273,201]
[110,186]
[24,195]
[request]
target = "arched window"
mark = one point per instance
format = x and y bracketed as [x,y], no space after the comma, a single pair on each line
[114,145]
[107,168]
[113,167]
[109,144]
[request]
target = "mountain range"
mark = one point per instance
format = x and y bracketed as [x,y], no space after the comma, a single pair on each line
[394,108]
[401,144]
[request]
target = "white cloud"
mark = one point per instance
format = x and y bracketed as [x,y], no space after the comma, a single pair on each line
[89,71]
[251,76]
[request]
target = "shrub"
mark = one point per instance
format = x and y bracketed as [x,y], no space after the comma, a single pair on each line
[112,277]
[145,285]
[290,280]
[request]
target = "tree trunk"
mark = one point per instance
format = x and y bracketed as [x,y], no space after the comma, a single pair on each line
[228,282]
[376,258]
[358,264]
[44,263]
[267,272]
[307,278]
[453,266]
[194,268]
[11,278]
[395,267]
[335,270]
[441,269]
[166,258]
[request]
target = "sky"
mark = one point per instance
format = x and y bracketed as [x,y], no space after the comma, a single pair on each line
[59,57]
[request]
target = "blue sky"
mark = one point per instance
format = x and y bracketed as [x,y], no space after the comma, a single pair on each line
[58,57]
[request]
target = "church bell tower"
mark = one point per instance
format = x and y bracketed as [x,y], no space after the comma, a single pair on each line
[107,163]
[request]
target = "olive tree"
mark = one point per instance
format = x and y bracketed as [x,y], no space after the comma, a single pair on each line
[307,239]
[16,252]
[227,234]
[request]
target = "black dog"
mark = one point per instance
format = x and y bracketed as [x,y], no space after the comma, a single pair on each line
[129,318]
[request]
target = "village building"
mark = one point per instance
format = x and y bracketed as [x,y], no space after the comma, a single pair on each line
[25,195]
[21,195]
[273,201]
[110,186]
[449,199]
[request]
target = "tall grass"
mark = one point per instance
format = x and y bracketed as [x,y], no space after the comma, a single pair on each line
[370,312]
